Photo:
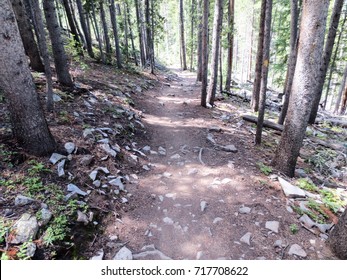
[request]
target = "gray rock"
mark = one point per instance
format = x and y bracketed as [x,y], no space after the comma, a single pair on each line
[149,252]
[246,238]
[97,183]
[162,151]
[104,141]
[82,217]
[123,254]
[108,150]
[146,149]
[25,229]
[245,210]
[124,200]
[217,220]
[175,156]
[211,139]
[74,189]
[22,200]
[46,216]
[297,250]
[290,190]
[199,255]
[56,97]
[103,169]
[88,133]
[289,209]
[168,221]
[93,175]
[70,147]
[203,205]
[99,255]
[118,183]
[31,249]
[193,171]
[86,160]
[214,129]
[300,173]
[272,225]
[55,158]
[229,148]
[278,243]
[60,168]
[307,221]
[145,167]
[324,227]
[70,196]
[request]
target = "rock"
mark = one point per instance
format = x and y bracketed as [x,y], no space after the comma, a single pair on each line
[175,156]
[103,169]
[88,133]
[123,254]
[289,209]
[45,217]
[272,225]
[8,212]
[193,171]
[145,167]
[229,148]
[245,210]
[216,220]
[211,139]
[296,249]
[124,200]
[324,227]
[55,158]
[56,97]
[290,190]
[166,174]
[70,147]
[24,230]
[118,183]
[74,189]
[31,249]
[22,200]
[307,221]
[104,141]
[168,221]
[300,173]
[199,255]
[214,129]
[146,149]
[93,175]
[99,255]
[97,183]
[246,238]
[61,171]
[82,217]
[108,150]
[278,243]
[86,160]
[203,205]
[149,252]
[226,181]
[162,151]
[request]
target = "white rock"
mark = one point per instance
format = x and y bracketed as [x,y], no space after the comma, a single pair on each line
[175,156]
[199,255]
[55,158]
[245,210]
[246,238]
[70,147]
[60,168]
[108,150]
[123,254]
[145,167]
[203,205]
[278,243]
[216,220]
[171,195]
[74,189]
[272,225]
[162,151]
[24,230]
[97,183]
[229,148]
[290,190]
[99,255]
[146,149]
[93,175]
[211,139]
[124,200]
[166,174]
[118,183]
[168,221]
[193,171]
[297,250]
[88,132]
[82,217]
[103,169]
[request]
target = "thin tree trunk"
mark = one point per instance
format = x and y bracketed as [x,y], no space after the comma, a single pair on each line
[217,23]
[259,60]
[103,59]
[73,28]
[79,32]
[29,126]
[265,70]
[249,75]
[342,87]
[192,11]
[220,68]
[199,66]
[115,34]
[85,29]
[182,39]
[334,23]
[126,33]
[149,35]
[131,34]
[139,28]
[204,52]
[105,28]
[294,10]
[231,11]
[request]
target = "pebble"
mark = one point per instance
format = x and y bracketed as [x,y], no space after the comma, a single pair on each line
[290,190]
[123,254]
[55,158]
[297,250]
[22,200]
[108,150]
[216,220]
[245,210]
[175,156]
[60,168]
[118,183]
[74,189]
[145,167]
[272,225]
[193,171]
[162,151]
[99,255]
[86,160]
[229,148]
[70,147]
[203,205]
[24,230]
[246,238]
[46,216]
[168,221]
[31,249]
[82,217]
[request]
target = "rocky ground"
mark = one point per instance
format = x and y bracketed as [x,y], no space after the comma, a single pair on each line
[144,172]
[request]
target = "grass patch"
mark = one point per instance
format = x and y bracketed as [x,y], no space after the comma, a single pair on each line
[266,170]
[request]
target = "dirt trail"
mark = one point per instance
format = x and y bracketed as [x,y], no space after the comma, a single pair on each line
[188,205]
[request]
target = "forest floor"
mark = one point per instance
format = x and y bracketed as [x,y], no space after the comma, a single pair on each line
[171,179]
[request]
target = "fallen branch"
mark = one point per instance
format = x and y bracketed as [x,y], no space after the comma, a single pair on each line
[266,123]
[200,156]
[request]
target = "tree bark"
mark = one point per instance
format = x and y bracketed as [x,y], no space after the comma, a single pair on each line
[182,39]
[342,88]
[310,50]
[217,23]
[294,11]
[231,11]
[131,34]
[97,32]
[73,28]
[199,66]
[139,30]
[115,34]
[204,52]
[334,23]
[337,240]
[259,59]
[264,71]
[29,126]
[344,103]
[27,36]
[85,29]
[105,29]
[60,58]
[149,34]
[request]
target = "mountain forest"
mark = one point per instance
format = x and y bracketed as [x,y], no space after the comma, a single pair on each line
[173,130]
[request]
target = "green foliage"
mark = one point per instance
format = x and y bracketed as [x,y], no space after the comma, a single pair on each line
[4,229]
[317,207]
[332,200]
[267,170]
[33,185]
[294,228]
[22,253]
[36,168]
[307,185]
[56,231]
[320,160]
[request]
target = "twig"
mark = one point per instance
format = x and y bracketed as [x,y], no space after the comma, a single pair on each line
[200,157]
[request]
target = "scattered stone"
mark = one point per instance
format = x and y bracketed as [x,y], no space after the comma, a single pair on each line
[24,230]
[273,177]
[246,238]
[99,255]
[123,254]
[214,129]
[203,205]
[31,249]
[61,171]
[272,225]
[86,160]
[166,174]
[97,183]
[88,133]
[216,220]
[149,252]
[307,221]
[74,189]
[153,152]
[108,150]
[45,217]
[278,243]
[55,158]
[199,255]
[175,156]
[104,141]
[124,200]
[82,217]
[297,250]
[324,227]
[146,149]
[162,151]
[245,210]
[211,139]
[145,167]
[226,181]
[103,169]
[229,148]
[93,175]
[8,212]
[193,171]
[118,183]
[70,147]
[161,198]
[289,209]
[171,195]
[134,158]
[168,221]
[22,200]
[290,190]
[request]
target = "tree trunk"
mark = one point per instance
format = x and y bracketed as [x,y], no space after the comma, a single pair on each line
[182,39]
[192,25]
[105,29]
[344,103]
[217,24]
[131,34]
[342,87]
[115,34]
[60,59]
[199,66]
[97,32]
[41,38]
[334,23]
[337,240]
[264,71]
[139,28]
[126,33]
[149,35]
[310,50]
[29,126]
[259,60]
[294,11]
[231,11]
[204,52]
[73,28]
[85,29]
[27,36]
[250,59]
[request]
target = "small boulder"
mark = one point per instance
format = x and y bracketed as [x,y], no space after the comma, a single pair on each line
[55,158]
[70,147]
[290,190]
[246,238]
[74,189]
[22,200]
[25,229]
[297,250]
[123,254]
[272,225]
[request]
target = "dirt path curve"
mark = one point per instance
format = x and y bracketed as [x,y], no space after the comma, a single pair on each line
[208,207]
